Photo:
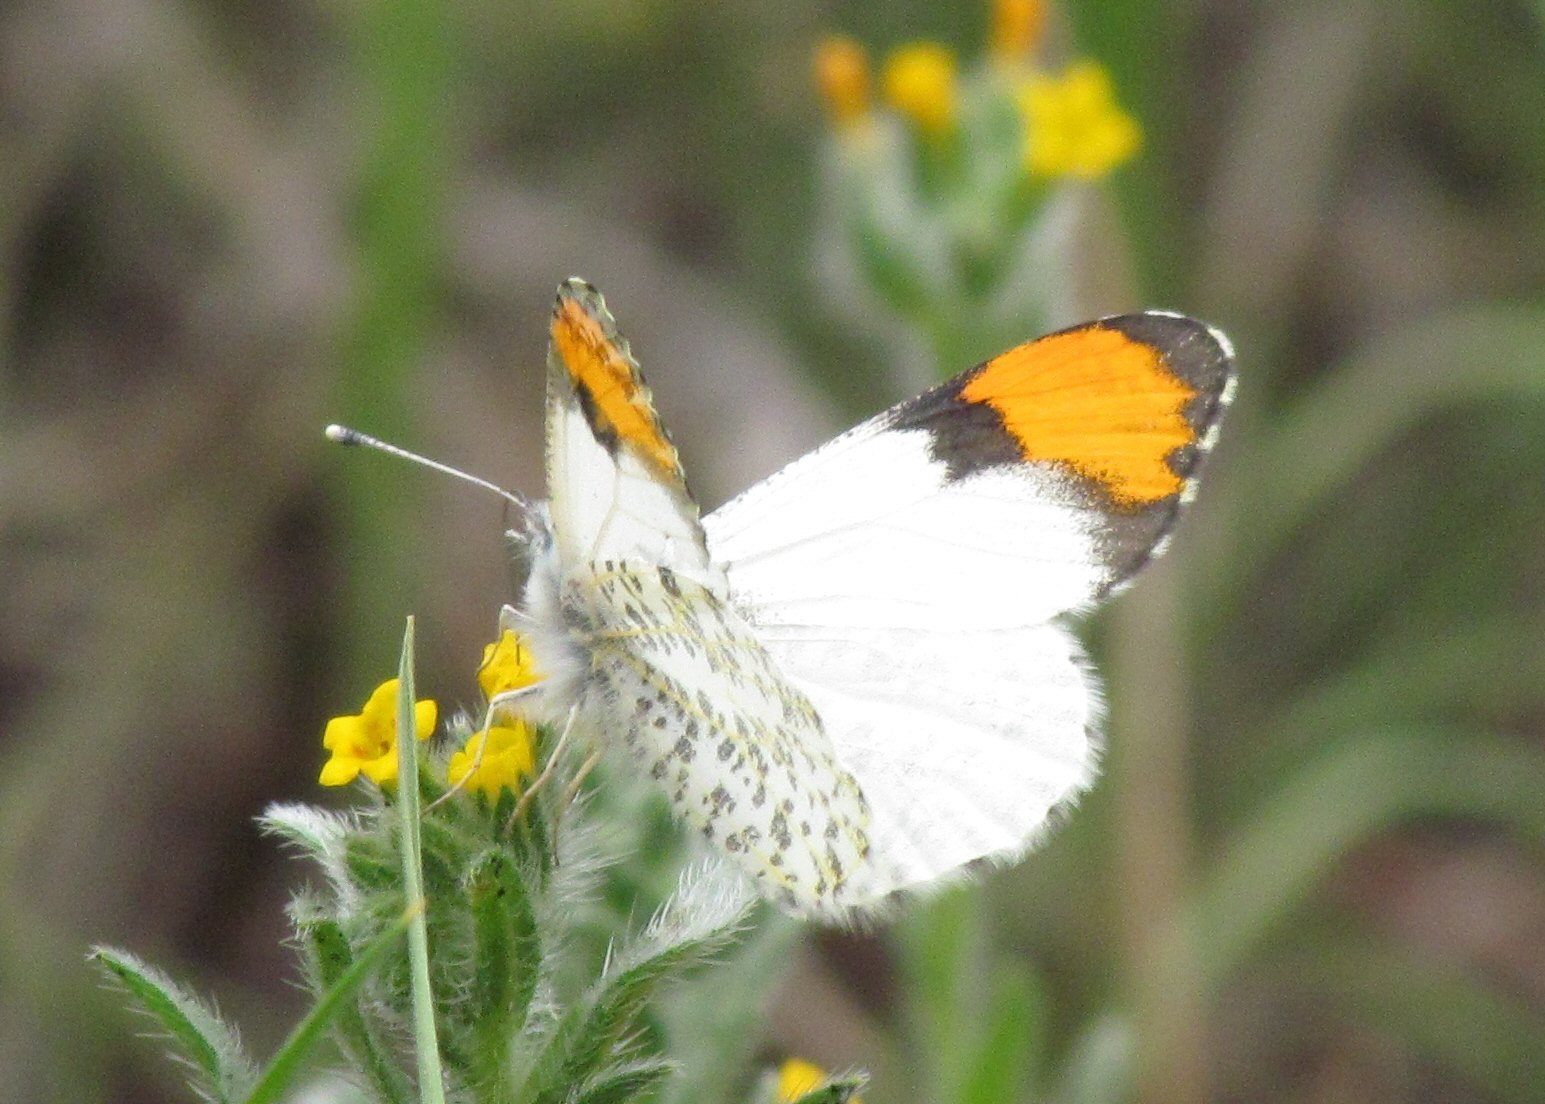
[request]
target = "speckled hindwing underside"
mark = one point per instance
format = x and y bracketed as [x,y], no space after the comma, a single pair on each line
[678,677]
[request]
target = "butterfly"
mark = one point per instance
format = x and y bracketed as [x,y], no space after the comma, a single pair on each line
[856,678]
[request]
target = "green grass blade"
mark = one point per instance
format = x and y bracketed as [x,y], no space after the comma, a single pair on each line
[426,1044]
[1485,352]
[941,944]
[1453,1018]
[1485,671]
[1007,1043]
[1367,782]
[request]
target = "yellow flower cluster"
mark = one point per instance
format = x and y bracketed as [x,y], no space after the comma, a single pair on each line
[1073,125]
[495,758]
[507,754]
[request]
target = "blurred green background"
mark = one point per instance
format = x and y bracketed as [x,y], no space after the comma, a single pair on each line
[1315,869]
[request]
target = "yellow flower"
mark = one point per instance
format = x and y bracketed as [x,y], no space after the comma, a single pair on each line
[1074,125]
[796,1077]
[367,742]
[507,759]
[506,666]
[842,74]
[920,83]
[1017,26]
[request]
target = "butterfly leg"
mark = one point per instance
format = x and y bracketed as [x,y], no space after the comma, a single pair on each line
[571,791]
[547,769]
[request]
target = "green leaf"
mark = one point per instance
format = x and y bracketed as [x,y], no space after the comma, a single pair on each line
[371,863]
[320,834]
[839,1090]
[198,1034]
[333,958]
[623,1083]
[285,1064]
[713,1024]
[507,960]
[698,921]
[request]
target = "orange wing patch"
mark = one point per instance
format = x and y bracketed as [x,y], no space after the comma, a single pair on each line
[1096,400]
[620,403]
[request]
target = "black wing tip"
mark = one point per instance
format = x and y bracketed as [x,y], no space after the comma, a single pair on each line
[1198,353]
[576,289]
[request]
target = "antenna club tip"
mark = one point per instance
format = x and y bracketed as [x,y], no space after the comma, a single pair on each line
[342,434]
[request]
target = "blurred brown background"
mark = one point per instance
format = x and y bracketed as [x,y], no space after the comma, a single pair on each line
[224,225]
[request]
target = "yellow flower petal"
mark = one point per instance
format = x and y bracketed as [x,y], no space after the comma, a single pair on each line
[796,1077]
[920,83]
[425,713]
[339,771]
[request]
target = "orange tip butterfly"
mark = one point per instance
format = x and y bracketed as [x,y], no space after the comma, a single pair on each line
[855,678]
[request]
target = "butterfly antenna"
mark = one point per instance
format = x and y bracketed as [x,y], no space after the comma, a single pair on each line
[346,436]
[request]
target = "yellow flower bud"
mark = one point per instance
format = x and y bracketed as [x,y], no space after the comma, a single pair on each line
[842,75]
[1017,26]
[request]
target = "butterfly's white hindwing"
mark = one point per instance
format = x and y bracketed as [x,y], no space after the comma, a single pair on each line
[920,625]
[964,741]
